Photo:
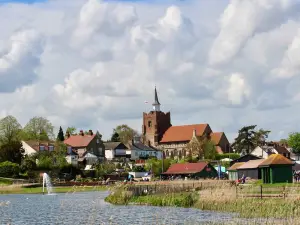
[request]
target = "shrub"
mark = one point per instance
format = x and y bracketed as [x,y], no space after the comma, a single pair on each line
[9,169]
[227,155]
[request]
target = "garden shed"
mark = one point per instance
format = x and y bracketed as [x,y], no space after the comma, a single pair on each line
[250,169]
[232,171]
[192,170]
[277,169]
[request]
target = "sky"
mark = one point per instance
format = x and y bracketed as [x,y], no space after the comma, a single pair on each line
[92,64]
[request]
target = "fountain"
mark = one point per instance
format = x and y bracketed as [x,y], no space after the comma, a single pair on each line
[47,182]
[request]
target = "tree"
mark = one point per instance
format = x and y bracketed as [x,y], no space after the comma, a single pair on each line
[60,135]
[210,151]
[260,137]
[283,142]
[38,128]
[125,133]
[12,151]
[9,130]
[115,137]
[196,147]
[71,130]
[245,139]
[294,142]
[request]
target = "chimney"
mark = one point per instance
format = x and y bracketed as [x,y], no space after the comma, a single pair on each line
[194,133]
[90,132]
[81,133]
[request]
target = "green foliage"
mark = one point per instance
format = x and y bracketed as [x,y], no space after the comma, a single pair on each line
[28,164]
[138,169]
[260,137]
[232,156]
[51,160]
[156,165]
[9,169]
[125,133]
[12,151]
[71,130]
[210,151]
[9,130]
[60,135]
[245,139]
[38,128]
[104,169]
[115,137]
[172,199]
[294,142]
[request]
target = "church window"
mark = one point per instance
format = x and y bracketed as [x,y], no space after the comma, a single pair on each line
[149,123]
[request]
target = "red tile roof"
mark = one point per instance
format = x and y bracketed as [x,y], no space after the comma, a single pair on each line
[216,137]
[183,133]
[186,168]
[79,140]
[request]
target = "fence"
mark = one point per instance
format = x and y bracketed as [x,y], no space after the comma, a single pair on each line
[218,189]
[173,187]
[288,191]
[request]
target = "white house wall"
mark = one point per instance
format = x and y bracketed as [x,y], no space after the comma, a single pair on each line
[28,149]
[259,152]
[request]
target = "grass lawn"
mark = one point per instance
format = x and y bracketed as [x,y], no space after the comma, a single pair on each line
[37,190]
[5,181]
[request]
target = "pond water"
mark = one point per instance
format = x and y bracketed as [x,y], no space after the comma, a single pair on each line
[90,208]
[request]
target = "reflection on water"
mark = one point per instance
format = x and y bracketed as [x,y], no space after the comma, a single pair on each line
[90,208]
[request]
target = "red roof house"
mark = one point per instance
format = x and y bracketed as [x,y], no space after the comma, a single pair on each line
[199,169]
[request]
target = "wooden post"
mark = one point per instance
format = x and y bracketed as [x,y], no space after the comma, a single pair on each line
[261,191]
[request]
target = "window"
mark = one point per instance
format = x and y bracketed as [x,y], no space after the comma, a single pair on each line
[149,123]
[69,149]
[42,147]
[51,148]
[136,154]
[98,141]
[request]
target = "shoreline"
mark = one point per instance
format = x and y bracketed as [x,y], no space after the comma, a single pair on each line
[57,189]
[220,199]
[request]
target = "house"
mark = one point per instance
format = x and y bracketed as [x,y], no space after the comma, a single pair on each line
[277,169]
[250,169]
[160,133]
[72,157]
[192,170]
[32,147]
[86,143]
[269,149]
[232,171]
[244,158]
[116,150]
[138,150]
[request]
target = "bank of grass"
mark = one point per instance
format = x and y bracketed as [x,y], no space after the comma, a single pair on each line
[215,199]
[39,190]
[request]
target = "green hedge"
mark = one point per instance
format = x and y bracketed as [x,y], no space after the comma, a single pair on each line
[9,169]
[228,155]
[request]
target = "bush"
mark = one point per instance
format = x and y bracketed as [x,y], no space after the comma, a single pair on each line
[228,155]
[9,169]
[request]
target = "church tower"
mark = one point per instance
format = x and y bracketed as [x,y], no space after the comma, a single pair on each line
[155,123]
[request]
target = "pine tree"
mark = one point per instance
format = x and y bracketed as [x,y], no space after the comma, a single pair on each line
[60,135]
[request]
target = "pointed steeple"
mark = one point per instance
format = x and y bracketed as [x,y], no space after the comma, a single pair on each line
[156,104]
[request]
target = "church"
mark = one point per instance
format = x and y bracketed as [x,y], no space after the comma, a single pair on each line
[159,132]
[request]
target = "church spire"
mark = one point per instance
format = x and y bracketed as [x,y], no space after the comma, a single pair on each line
[156,104]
